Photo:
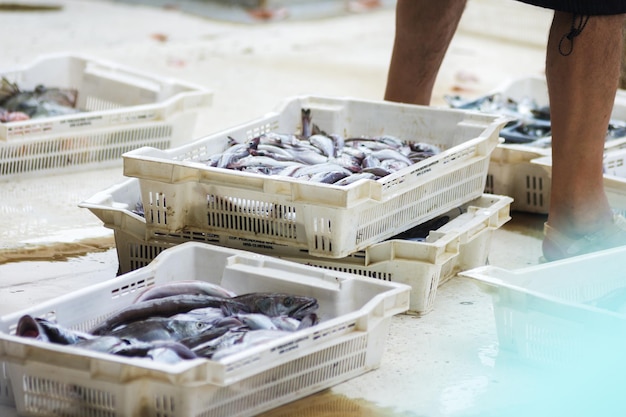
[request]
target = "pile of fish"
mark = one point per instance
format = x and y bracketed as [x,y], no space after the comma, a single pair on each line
[530,122]
[317,156]
[185,320]
[17,105]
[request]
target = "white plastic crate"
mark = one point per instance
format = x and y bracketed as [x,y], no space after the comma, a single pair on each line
[614,177]
[462,243]
[561,314]
[181,194]
[355,314]
[124,109]
[510,169]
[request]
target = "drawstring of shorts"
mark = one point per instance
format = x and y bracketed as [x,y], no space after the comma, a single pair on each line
[578,24]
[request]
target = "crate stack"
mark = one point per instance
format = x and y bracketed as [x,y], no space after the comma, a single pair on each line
[120,109]
[345,228]
[176,218]
[522,170]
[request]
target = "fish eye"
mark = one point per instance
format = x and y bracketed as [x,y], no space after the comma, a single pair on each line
[288,302]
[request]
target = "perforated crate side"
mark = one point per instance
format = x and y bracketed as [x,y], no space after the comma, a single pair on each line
[44,392]
[324,231]
[89,149]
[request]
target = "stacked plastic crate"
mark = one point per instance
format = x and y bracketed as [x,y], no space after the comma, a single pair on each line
[346,228]
[520,167]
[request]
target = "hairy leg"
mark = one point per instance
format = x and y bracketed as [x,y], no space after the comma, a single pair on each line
[424,29]
[582,87]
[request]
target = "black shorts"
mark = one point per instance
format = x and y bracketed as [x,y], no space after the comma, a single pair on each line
[582,7]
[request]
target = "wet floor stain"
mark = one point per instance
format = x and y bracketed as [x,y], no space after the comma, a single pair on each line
[57,252]
[329,404]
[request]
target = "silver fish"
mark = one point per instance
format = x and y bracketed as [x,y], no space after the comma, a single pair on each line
[273,304]
[197,287]
[42,329]
[162,307]
[245,341]
[325,144]
[160,328]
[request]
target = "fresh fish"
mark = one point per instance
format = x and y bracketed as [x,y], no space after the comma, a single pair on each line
[245,341]
[40,102]
[208,314]
[200,340]
[273,304]
[308,127]
[163,307]
[311,170]
[104,344]
[356,177]
[324,143]
[42,329]
[160,328]
[160,351]
[286,323]
[227,339]
[184,287]
[329,177]
[259,161]
[383,154]
[12,116]
[309,320]
[257,321]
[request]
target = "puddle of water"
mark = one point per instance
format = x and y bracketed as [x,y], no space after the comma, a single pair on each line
[58,251]
[329,404]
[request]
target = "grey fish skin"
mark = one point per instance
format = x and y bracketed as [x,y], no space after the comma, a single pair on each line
[147,349]
[40,102]
[256,161]
[42,329]
[197,287]
[329,177]
[208,348]
[257,321]
[162,307]
[383,154]
[324,144]
[307,127]
[193,342]
[104,344]
[311,170]
[160,328]
[356,177]
[274,304]
[246,341]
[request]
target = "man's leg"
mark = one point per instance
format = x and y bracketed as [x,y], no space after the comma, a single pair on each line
[424,29]
[582,88]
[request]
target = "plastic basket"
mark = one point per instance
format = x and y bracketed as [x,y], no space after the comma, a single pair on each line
[511,171]
[124,109]
[462,243]
[614,177]
[181,194]
[355,314]
[561,314]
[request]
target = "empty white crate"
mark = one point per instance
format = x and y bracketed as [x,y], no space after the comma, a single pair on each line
[124,109]
[462,243]
[355,313]
[181,194]
[562,314]
[510,169]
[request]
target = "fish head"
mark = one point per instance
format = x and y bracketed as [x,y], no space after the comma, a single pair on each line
[296,306]
[28,326]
